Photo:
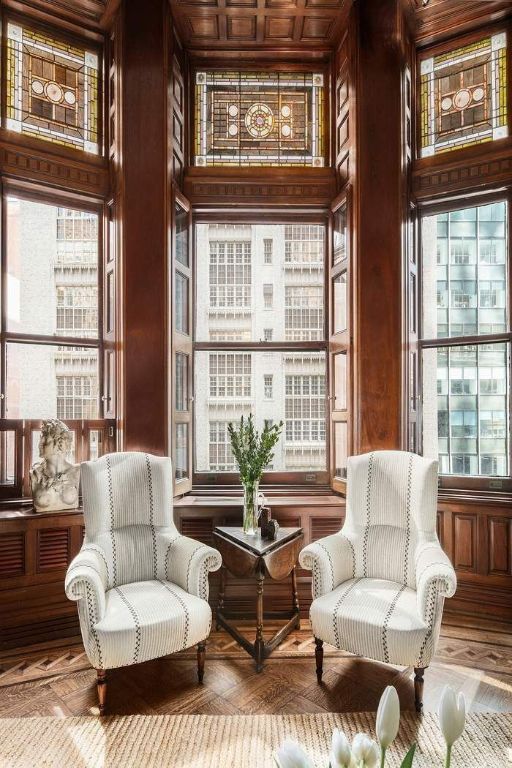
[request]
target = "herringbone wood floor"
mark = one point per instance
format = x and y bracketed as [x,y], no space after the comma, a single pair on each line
[60,682]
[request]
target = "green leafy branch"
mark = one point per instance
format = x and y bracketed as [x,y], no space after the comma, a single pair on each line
[253,451]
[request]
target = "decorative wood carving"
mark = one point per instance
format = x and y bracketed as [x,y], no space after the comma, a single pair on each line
[446,18]
[260,186]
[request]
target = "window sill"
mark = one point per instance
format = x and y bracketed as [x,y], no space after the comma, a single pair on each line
[236,500]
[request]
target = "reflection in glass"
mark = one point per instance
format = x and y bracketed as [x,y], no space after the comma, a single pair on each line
[181,295]
[181,469]
[340,303]
[7,457]
[181,234]
[340,381]
[340,449]
[181,381]
[340,234]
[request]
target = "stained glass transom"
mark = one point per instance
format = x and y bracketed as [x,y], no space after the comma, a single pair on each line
[259,118]
[52,89]
[464,96]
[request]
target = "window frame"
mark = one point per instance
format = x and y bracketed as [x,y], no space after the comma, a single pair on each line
[275,481]
[454,482]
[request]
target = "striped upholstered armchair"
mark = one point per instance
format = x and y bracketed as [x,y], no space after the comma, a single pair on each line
[141,587]
[379,584]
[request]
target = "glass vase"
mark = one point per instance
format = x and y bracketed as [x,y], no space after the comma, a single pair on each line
[251,508]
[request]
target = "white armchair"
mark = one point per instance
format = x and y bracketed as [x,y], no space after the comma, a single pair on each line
[141,587]
[379,584]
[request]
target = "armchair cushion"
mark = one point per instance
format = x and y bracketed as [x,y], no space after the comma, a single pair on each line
[187,562]
[332,561]
[149,619]
[374,618]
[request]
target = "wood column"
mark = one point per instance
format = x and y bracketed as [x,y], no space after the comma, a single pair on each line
[145,219]
[381,43]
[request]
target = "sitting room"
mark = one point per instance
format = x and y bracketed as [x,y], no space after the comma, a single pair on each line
[255,384]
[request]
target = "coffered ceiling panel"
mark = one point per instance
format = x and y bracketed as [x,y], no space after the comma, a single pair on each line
[239,24]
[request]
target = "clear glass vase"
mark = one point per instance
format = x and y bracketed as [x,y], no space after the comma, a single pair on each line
[251,491]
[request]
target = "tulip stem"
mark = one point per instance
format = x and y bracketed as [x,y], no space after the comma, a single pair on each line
[448,756]
[382,756]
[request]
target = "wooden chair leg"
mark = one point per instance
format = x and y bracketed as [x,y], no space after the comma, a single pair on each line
[201,653]
[418,688]
[319,656]
[101,684]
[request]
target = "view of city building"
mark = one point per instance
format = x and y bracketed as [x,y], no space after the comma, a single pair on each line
[261,282]
[52,290]
[465,386]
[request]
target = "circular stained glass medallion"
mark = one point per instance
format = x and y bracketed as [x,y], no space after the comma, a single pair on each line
[286,130]
[259,120]
[37,87]
[446,104]
[286,111]
[69,97]
[478,93]
[53,92]
[462,98]
[233,129]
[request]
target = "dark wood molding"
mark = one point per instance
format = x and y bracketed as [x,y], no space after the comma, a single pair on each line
[260,186]
[441,19]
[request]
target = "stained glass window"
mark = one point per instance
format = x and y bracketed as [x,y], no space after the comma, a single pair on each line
[52,89]
[259,118]
[464,96]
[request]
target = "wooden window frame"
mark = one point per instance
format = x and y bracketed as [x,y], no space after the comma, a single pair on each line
[276,482]
[452,482]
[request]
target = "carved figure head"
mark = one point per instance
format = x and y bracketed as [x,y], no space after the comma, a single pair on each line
[56,437]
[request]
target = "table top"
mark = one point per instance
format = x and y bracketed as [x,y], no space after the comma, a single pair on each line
[255,543]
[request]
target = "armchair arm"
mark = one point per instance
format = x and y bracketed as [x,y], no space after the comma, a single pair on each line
[435,579]
[187,563]
[332,560]
[87,580]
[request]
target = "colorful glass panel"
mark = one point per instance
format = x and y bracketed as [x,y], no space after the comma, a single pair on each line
[52,89]
[464,96]
[259,118]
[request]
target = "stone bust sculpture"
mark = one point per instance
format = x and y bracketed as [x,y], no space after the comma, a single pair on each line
[54,479]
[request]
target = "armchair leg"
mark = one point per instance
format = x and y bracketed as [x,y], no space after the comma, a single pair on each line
[418,688]
[319,656]
[101,685]
[201,653]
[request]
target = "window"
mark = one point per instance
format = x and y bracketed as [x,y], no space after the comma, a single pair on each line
[267,250]
[52,89]
[464,95]
[230,274]
[221,458]
[259,118]
[240,380]
[268,295]
[52,291]
[466,374]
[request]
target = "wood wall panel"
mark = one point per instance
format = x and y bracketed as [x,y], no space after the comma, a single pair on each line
[500,546]
[465,538]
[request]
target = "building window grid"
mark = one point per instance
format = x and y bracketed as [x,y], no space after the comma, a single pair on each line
[221,458]
[304,314]
[304,244]
[230,374]
[305,408]
[230,274]
[268,245]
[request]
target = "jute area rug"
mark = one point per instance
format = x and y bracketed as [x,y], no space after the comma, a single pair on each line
[205,741]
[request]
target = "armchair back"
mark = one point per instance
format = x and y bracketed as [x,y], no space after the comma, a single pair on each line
[127,499]
[391,508]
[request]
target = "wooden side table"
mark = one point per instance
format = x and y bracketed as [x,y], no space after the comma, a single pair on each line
[253,557]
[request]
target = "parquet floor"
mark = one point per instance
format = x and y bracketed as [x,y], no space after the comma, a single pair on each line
[60,681]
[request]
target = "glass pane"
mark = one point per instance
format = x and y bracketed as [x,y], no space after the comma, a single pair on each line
[181,303]
[95,441]
[181,382]
[340,381]
[7,457]
[247,294]
[110,302]
[464,96]
[181,469]
[52,270]
[45,381]
[340,303]
[465,272]
[465,408]
[340,234]
[52,89]
[340,449]
[273,386]
[259,118]
[181,234]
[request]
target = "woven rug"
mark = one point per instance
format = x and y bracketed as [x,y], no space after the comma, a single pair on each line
[205,741]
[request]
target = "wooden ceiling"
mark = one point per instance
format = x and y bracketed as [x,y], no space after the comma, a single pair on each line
[221,24]
[439,19]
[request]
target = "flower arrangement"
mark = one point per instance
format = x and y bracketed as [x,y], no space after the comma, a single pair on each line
[364,752]
[253,452]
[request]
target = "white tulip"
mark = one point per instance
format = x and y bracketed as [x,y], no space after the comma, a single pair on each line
[452,715]
[388,717]
[341,754]
[365,751]
[291,755]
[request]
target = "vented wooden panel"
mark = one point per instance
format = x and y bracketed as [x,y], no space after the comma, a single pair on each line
[53,550]
[200,528]
[12,554]
[324,526]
